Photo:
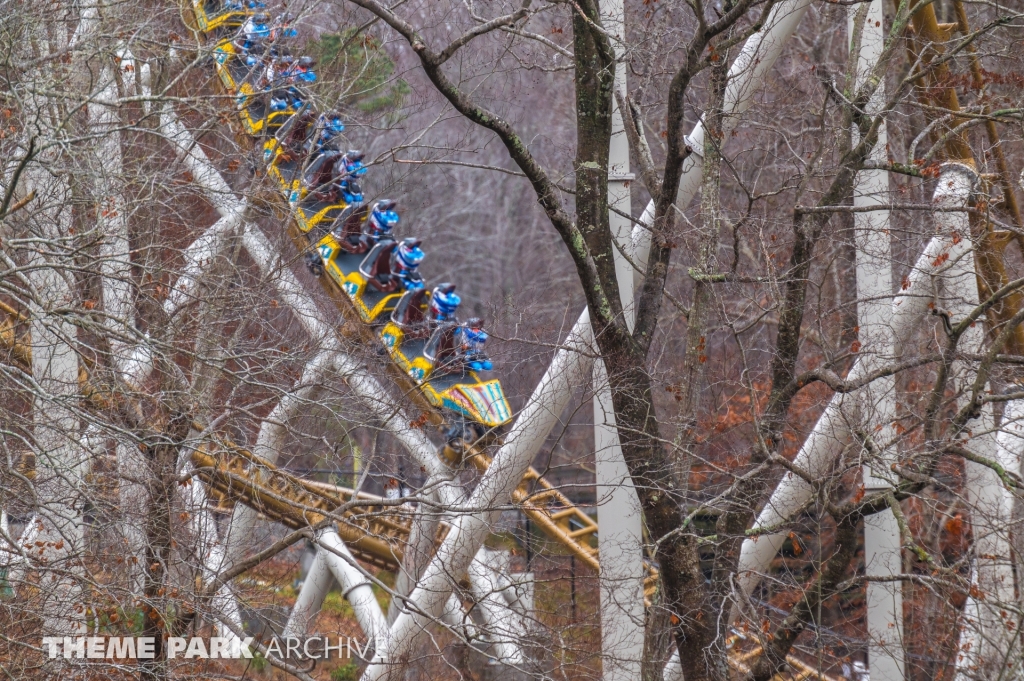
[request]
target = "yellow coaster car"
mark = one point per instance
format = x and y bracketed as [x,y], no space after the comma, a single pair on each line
[232,71]
[432,359]
[212,15]
[237,78]
[346,270]
[308,184]
[252,110]
[285,172]
[284,154]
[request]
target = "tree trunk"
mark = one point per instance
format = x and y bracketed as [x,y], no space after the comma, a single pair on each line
[163,461]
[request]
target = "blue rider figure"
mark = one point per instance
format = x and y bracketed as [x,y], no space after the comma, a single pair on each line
[405,262]
[273,81]
[290,74]
[281,28]
[350,165]
[442,346]
[350,192]
[328,127]
[472,341]
[382,220]
[358,231]
[345,171]
[444,304]
[240,6]
[300,70]
[253,33]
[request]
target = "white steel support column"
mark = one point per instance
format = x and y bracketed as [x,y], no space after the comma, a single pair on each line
[619,514]
[418,548]
[131,360]
[210,550]
[334,561]
[7,553]
[747,74]
[832,431]
[882,540]
[988,639]
[112,222]
[311,597]
[570,367]
[53,379]
[1009,453]
[60,457]
[620,542]
[501,623]
[355,585]
[15,558]
[199,256]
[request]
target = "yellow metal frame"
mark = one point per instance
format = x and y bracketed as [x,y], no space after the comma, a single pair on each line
[291,188]
[353,284]
[306,226]
[224,52]
[230,19]
[374,532]
[254,126]
[453,398]
[418,368]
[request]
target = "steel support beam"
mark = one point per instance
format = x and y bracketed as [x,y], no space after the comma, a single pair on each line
[570,367]
[833,429]
[882,540]
[620,540]
[988,638]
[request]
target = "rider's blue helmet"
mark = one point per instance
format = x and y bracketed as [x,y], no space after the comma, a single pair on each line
[259,24]
[444,300]
[408,254]
[353,162]
[383,218]
[333,125]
